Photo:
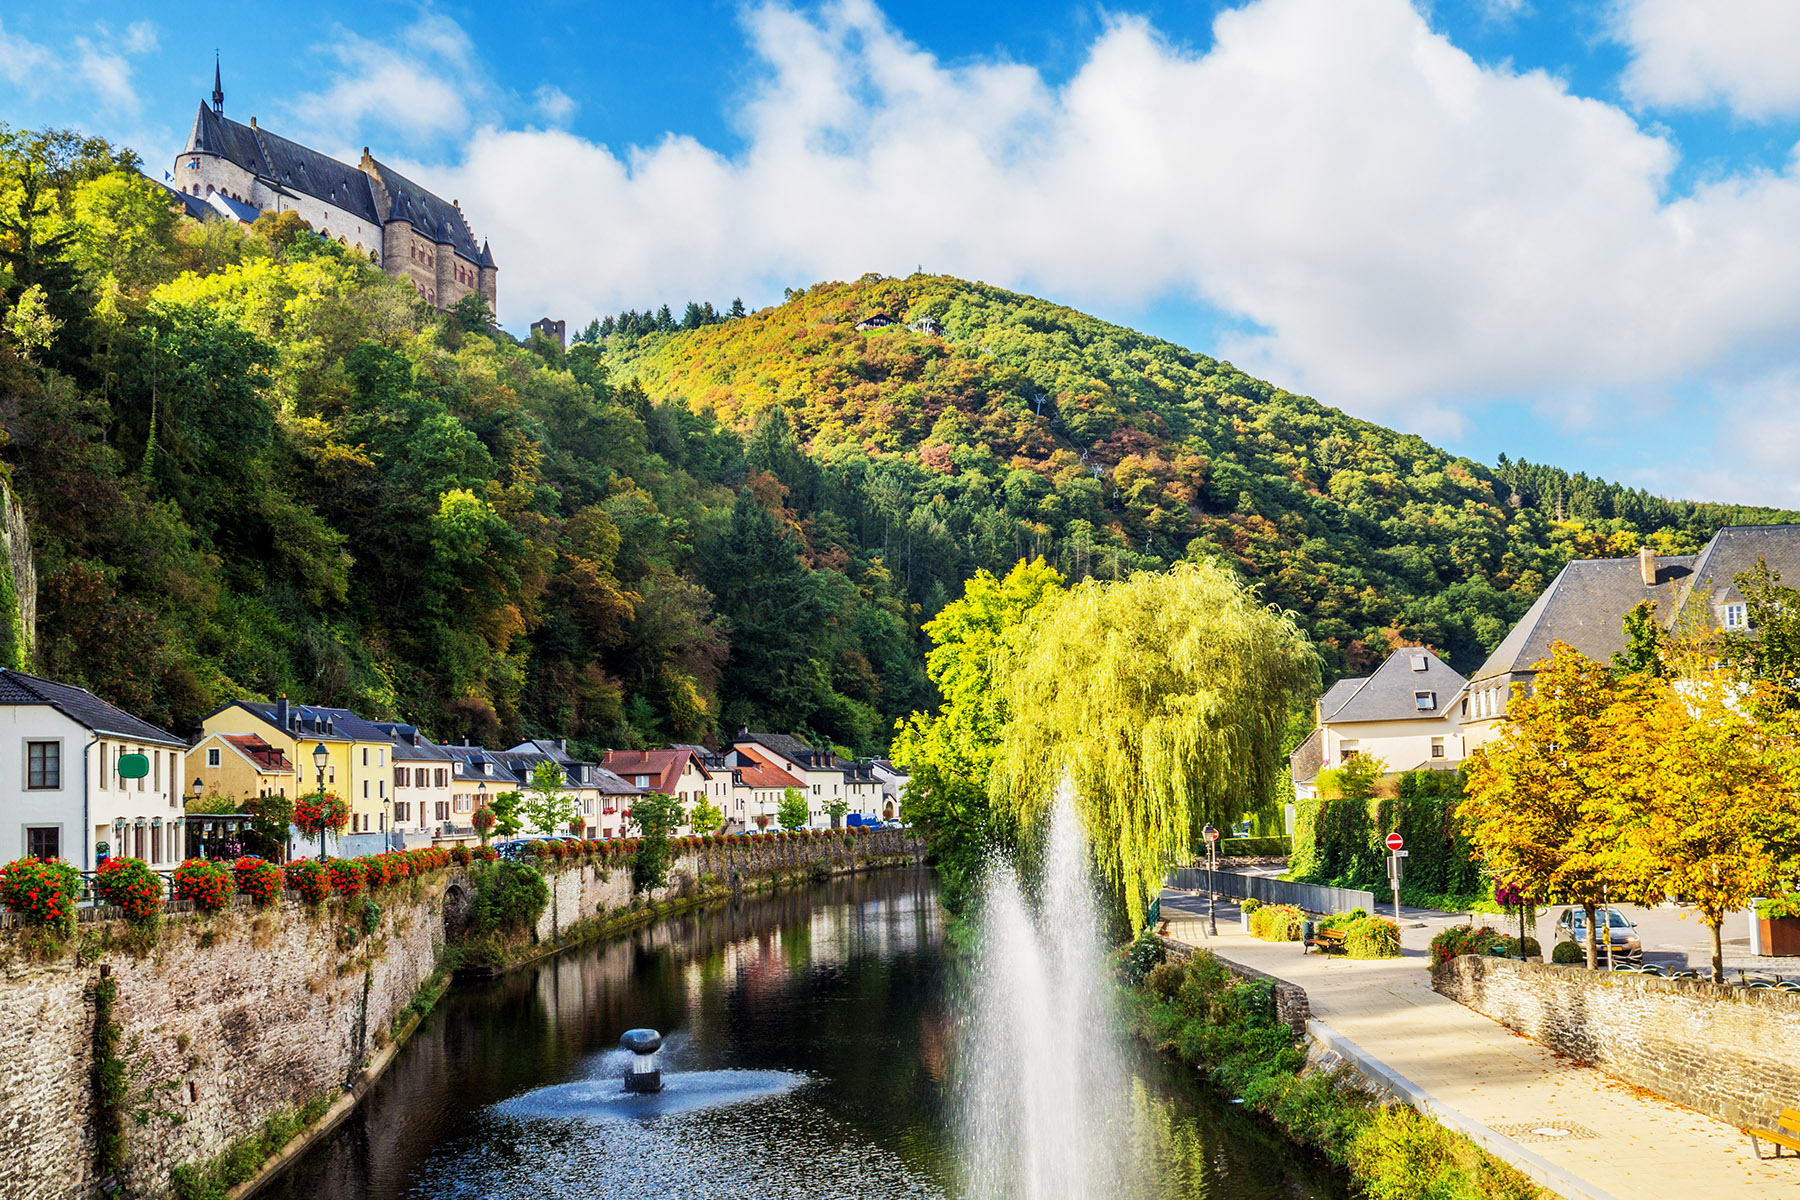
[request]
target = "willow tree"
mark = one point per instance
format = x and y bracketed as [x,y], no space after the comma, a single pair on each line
[1163,698]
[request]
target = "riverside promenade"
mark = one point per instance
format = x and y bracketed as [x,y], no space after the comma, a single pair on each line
[1476,1075]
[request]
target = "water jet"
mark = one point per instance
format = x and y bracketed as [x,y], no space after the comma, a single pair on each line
[643,1076]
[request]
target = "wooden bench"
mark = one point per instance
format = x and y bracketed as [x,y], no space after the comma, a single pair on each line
[1787,1135]
[1327,939]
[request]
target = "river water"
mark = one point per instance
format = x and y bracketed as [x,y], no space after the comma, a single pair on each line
[809,1054]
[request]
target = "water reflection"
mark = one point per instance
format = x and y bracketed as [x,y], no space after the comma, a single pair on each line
[837,991]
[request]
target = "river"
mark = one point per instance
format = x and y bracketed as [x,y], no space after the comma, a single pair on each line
[809,1044]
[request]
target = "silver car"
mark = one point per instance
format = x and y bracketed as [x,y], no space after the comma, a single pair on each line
[1610,922]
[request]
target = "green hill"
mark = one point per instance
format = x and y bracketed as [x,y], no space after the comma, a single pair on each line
[251,463]
[985,425]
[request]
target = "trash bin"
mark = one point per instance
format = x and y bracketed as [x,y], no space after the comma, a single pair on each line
[1306,933]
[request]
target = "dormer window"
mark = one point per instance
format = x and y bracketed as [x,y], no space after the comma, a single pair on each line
[1425,701]
[1420,662]
[1734,617]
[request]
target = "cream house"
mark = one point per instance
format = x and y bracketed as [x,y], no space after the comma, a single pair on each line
[1407,714]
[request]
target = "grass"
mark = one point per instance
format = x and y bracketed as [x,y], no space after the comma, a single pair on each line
[1202,1014]
[241,1160]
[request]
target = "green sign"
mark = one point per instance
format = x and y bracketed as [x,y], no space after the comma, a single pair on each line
[134,766]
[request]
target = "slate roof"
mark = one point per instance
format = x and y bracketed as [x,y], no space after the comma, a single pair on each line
[1585,606]
[233,210]
[409,744]
[1334,697]
[80,706]
[428,213]
[1732,551]
[310,721]
[230,140]
[318,175]
[1390,694]
[1308,757]
[191,206]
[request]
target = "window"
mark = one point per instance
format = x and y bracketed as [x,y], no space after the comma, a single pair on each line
[1424,701]
[443,810]
[463,804]
[1437,747]
[331,773]
[401,778]
[1420,662]
[380,789]
[365,756]
[156,843]
[44,841]
[105,767]
[43,764]
[1735,617]
[381,756]
[402,811]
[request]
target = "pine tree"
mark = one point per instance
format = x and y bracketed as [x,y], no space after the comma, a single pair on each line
[737,308]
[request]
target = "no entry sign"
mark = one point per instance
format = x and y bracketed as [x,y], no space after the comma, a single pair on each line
[1395,841]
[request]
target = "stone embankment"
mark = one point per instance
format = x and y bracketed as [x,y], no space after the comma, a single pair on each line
[1728,1052]
[223,1021]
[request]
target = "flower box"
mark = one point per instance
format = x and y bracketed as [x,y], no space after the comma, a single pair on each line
[1781,936]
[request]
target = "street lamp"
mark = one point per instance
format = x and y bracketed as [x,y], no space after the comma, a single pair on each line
[1212,895]
[320,754]
[199,789]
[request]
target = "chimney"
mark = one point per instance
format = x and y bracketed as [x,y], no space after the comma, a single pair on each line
[281,712]
[1647,565]
[562,744]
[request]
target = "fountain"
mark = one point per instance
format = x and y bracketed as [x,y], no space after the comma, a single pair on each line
[642,1077]
[1044,1102]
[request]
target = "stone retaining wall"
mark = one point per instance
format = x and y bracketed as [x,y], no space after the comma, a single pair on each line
[1291,1005]
[1730,1052]
[226,1018]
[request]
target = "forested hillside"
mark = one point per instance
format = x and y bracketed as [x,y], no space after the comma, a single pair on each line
[982,426]
[251,463]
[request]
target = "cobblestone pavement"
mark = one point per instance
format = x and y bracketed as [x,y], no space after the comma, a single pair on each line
[1606,1139]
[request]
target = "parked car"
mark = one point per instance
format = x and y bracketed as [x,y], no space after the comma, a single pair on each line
[1572,926]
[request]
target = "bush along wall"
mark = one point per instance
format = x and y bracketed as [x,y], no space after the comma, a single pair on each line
[1203,1015]
[1339,842]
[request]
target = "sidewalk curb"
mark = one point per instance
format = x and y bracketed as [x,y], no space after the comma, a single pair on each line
[1534,1167]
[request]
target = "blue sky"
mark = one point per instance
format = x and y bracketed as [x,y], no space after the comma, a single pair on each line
[1565,231]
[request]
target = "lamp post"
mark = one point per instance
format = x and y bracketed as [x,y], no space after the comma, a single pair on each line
[319,755]
[480,798]
[1212,921]
[199,790]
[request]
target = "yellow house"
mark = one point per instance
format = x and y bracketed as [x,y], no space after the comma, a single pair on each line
[358,769]
[242,766]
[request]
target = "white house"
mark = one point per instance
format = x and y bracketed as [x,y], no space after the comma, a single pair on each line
[69,777]
[1407,714]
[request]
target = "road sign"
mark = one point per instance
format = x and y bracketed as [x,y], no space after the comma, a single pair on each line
[1212,835]
[1402,853]
[1395,841]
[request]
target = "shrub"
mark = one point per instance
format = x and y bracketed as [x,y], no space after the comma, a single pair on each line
[207,884]
[258,879]
[310,878]
[377,871]
[1277,923]
[1142,956]
[44,893]
[509,897]
[132,885]
[1569,952]
[1249,906]
[1372,937]
[1461,939]
[348,876]
[460,854]
[1777,907]
[1342,920]
[486,854]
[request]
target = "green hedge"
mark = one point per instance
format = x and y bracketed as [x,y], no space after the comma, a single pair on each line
[1340,842]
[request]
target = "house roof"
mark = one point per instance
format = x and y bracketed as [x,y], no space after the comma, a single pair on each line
[1733,550]
[1308,757]
[264,757]
[312,721]
[1336,694]
[758,772]
[664,768]
[1392,693]
[80,706]
[1585,606]
[409,744]
[303,169]
[191,206]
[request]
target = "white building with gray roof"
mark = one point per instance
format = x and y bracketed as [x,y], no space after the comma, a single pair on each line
[1406,714]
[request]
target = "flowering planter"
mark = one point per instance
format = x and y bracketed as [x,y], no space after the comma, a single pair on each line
[1781,936]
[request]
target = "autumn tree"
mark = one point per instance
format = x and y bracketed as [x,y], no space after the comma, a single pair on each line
[1539,800]
[1767,653]
[1163,699]
[1701,798]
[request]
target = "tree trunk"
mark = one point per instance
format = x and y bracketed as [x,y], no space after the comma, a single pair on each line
[1593,932]
[1718,957]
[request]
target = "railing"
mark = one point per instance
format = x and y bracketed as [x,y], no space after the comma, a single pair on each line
[1312,897]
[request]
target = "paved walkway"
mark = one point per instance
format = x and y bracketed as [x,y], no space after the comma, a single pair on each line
[1620,1141]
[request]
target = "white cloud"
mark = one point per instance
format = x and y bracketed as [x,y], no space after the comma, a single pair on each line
[554,104]
[24,63]
[1698,53]
[141,37]
[421,85]
[99,65]
[107,73]
[1413,231]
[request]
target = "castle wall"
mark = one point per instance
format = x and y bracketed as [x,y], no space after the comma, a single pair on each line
[214,174]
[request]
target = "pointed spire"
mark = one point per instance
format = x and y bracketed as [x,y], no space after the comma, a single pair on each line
[218,87]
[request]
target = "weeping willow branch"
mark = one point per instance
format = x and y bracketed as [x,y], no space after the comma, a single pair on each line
[1164,697]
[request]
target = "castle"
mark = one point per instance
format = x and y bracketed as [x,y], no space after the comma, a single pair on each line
[410,232]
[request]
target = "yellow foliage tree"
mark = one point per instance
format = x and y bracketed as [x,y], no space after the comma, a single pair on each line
[1163,698]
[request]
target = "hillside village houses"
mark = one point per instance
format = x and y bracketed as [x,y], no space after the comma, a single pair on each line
[1416,712]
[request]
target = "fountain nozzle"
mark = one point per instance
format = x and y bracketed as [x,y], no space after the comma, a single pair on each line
[643,1075]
